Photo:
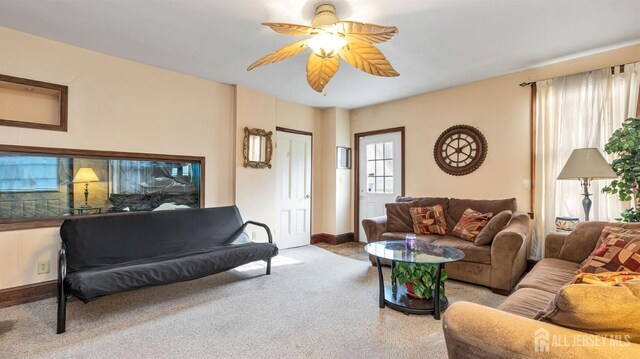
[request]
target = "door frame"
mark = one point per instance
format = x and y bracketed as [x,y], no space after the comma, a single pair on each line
[356,166]
[310,134]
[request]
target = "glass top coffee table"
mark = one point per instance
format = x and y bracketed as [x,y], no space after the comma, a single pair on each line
[422,253]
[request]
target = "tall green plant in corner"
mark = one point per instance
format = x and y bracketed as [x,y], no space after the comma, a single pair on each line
[624,144]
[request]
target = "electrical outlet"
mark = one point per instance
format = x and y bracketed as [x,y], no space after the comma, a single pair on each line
[43,267]
[253,235]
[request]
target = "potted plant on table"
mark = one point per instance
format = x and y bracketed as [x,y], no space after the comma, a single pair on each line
[418,278]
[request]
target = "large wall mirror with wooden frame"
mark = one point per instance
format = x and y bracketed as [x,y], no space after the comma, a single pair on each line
[40,187]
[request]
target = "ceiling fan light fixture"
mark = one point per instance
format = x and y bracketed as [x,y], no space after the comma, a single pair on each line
[326,44]
[325,16]
[330,41]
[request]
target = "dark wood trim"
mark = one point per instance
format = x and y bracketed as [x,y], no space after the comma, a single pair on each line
[332,238]
[64,99]
[19,223]
[310,134]
[297,132]
[534,139]
[356,167]
[27,293]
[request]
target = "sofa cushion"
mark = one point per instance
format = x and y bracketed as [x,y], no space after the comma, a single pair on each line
[428,220]
[401,236]
[426,201]
[549,275]
[495,225]
[96,282]
[399,217]
[527,302]
[609,311]
[472,253]
[470,224]
[583,239]
[620,252]
[458,206]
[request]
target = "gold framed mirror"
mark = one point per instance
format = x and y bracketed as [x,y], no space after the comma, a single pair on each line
[257,148]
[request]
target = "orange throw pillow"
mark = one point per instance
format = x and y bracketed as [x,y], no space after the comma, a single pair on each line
[428,220]
[606,278]
[470,224]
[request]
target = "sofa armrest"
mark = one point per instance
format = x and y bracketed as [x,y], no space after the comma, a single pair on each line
[374,227]
[475,331]
[509,252]
[553,243]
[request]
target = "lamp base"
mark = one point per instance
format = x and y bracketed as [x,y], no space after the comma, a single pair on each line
[586,201]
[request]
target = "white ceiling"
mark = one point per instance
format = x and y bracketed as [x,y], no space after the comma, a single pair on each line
[441,43]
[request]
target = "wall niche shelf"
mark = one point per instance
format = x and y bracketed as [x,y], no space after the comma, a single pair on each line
[33,104]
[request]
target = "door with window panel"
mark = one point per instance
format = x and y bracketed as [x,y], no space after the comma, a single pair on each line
[379,174]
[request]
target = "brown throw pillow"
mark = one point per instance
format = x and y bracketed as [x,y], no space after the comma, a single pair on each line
[495,225]
[620,252]
[596,309]
[428,220]
[399,217]
[470,224]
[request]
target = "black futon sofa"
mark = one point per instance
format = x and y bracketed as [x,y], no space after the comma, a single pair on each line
[111,254]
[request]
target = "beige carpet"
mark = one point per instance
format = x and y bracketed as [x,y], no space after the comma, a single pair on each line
[316,304]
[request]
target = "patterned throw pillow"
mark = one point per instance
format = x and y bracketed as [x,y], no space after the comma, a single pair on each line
[604,236]
[470,224]
[428,220]
[620,252]
[606,278]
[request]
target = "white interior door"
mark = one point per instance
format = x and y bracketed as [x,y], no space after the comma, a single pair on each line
[293,189]
[380,174]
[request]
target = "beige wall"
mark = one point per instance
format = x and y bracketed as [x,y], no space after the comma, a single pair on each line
[119,105]
[256,188]
[498,107]
[336,184]
[115,104]
[343,212]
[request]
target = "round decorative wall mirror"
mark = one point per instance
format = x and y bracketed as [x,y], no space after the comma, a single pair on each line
[460,150]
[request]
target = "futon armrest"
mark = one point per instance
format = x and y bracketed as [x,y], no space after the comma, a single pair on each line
[266,228]
[62,264]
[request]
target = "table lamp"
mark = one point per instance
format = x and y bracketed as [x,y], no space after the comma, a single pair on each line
[586,164]
[85,175]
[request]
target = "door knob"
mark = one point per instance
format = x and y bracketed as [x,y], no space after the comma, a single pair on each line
[307,196]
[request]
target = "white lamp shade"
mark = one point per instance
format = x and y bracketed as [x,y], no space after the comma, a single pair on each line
[85,174]
[587,163]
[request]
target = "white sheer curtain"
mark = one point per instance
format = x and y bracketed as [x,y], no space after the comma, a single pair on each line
[577,111]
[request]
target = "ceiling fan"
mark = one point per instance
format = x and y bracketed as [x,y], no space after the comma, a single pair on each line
[330,39]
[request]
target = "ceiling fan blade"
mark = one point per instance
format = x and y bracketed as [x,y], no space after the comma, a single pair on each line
[289,29]
[367,58]
[370,33]
[320,70]
[279,55]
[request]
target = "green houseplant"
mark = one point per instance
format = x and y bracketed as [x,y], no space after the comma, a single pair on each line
[624,144]
[418,278]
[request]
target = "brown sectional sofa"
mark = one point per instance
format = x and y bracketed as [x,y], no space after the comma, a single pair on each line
[476,331]
[497,265]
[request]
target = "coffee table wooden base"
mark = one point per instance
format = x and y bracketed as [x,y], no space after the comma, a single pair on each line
[404,303]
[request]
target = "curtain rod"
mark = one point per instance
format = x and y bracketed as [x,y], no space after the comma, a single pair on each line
[525,84]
